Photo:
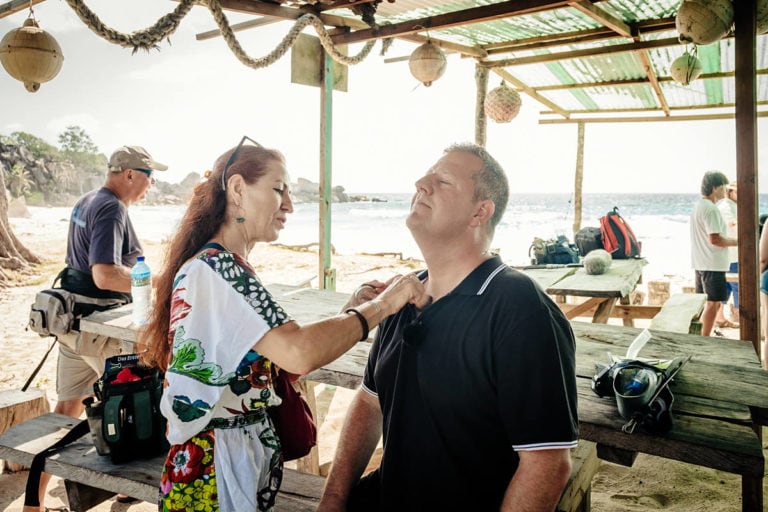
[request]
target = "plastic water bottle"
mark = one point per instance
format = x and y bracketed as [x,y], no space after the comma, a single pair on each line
[141,290]
[638,384]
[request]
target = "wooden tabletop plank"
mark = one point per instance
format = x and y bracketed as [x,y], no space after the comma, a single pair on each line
[546,277]
[618,281]
[305,305]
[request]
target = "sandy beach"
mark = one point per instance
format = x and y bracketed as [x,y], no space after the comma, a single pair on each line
[651,484]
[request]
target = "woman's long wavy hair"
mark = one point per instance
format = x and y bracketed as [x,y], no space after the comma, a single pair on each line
[206,212]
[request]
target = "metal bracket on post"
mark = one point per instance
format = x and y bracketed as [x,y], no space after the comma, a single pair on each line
[329,279]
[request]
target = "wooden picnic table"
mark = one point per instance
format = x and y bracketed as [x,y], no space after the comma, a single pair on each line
[603,290]
[720,395]
[720,399]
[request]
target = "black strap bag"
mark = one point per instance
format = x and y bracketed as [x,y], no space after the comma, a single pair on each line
[125,418]
[641,390]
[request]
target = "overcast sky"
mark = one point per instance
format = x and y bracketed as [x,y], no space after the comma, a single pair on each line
[192,100]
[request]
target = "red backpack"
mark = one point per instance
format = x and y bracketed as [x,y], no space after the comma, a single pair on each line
[618,238]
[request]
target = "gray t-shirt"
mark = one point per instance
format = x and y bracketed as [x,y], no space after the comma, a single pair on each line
[100,231]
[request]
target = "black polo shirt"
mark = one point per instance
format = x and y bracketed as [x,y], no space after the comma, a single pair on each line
[486,370]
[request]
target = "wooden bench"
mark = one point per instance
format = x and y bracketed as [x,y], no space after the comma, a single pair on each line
[17,406]
[680,314]
[91,479]
[577,494]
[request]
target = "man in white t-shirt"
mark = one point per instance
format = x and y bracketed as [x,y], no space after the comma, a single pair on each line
[709,247]
[729,316]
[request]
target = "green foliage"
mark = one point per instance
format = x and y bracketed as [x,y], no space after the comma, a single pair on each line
[74,140]
[35,199]
[18,180]
[77,147]
[35,145]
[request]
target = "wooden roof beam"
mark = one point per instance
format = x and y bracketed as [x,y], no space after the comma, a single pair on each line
[238,27]
[636,81]
[577,36]
[530,91]
[15,6]
[452,19]
[646,61]
[563,38]
[342,5]
[288,13]
[585,112]
[601,16]
[577,54]
[643,119]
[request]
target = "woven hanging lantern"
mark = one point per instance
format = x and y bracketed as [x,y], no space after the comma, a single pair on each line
[502,104]
[686,68]
[427,63]
[31,54]
[762,16]
[704,21]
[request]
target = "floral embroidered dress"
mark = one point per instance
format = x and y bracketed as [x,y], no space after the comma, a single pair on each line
[225,454]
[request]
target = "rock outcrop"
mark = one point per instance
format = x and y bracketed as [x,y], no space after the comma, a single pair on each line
[50,182]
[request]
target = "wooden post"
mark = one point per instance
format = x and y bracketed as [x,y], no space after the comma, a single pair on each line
[746,175]
[481,81]
[578,179]
[326,275]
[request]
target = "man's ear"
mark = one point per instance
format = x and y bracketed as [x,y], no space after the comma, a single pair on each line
[483,213]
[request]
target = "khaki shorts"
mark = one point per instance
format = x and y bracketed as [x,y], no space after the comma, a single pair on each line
[81,362]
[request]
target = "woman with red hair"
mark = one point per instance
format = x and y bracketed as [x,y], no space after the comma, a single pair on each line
[217,332]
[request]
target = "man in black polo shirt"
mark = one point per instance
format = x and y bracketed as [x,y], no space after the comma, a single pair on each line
[475,394]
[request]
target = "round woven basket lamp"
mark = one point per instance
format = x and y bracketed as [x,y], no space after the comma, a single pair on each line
[685,69]
[502,104]
[31,55]
[704,21]
[762,16]
[427,63]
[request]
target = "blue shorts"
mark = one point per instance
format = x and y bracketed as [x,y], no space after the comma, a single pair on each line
[764,282]
[733,288]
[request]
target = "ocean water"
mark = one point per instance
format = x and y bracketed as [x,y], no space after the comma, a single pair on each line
[659,221]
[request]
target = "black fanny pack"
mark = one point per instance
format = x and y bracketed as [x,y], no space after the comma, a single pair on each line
[80,282]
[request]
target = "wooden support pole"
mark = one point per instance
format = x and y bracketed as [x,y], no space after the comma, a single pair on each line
[481,123]
[746,167]
[326,275]
[578,179]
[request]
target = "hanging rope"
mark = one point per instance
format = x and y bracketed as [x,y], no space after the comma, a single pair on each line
[146,39]
[149,38]
[286,43]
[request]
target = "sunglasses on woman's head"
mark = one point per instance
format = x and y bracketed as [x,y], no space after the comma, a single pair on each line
[232,158]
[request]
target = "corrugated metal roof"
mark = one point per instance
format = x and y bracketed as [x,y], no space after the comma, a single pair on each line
[536,48]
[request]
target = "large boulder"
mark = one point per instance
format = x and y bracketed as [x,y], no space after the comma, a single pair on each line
[17,209]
